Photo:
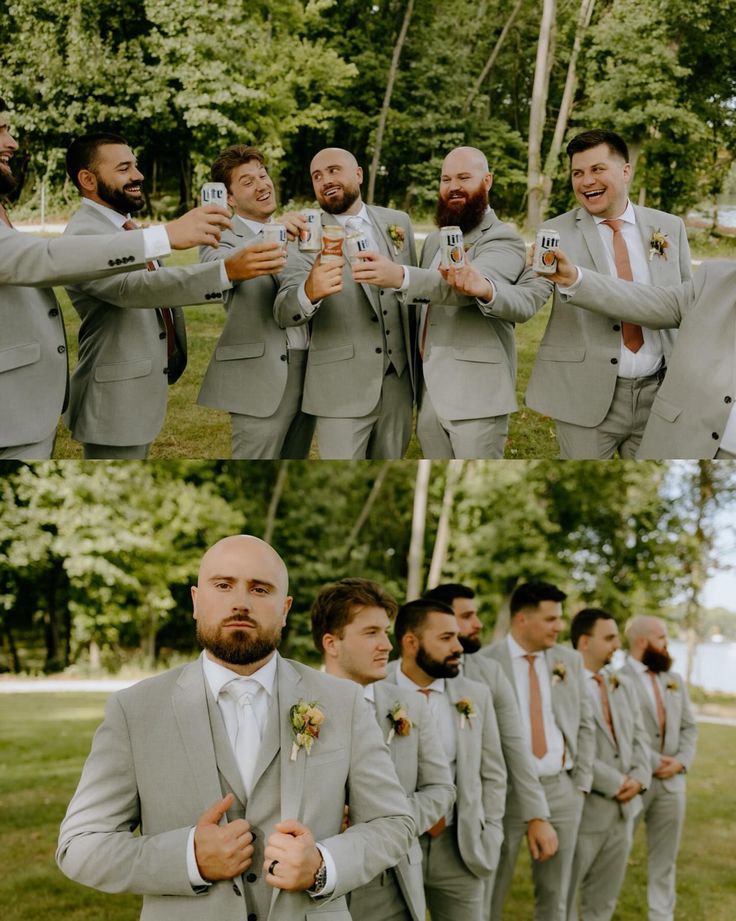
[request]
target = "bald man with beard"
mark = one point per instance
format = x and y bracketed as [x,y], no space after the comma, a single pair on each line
[235,769]
[358,378]
[670,724]
[465,356]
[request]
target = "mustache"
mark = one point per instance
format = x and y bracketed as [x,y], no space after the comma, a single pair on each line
[242,619]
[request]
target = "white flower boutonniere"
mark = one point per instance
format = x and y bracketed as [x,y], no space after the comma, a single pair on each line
[465,708]
[672,685]
[400,722]
[614,681]
[398,237]
[306,719]
[559,672]
[658,244]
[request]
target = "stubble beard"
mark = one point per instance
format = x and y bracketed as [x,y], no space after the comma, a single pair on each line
[340,205]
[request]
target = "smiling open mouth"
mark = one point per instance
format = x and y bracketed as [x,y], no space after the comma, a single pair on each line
[596,193]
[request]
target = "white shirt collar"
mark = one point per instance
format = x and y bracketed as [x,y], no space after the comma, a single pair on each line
[369,693]
[110,213]
[639,667]
[628,216]
[361,215]
[255,227]
[405,681]
[517,651]
[218,675]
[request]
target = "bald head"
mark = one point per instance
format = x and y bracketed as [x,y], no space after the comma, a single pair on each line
[244,546]
[336,178]
[464,186]
[644,633]
[333,155]
[466,158]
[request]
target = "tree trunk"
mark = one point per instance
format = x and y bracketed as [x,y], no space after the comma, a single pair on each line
[95,656]
[273,505]
[537,114]
[52,634]
[487,67]
[551,165]
[383,114]
[503,618]
[12,648]
[367,506]
[442,540]
[414,580]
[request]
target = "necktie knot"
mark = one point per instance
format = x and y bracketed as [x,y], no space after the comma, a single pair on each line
[130,225]
[354,223]
[614,223]
[242,691]
[425,691]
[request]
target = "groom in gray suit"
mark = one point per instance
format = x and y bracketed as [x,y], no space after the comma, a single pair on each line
[358,380]
[33,351]
[235,769]
[128,357]
[557,722]
[257,370]
[351,620]
[670,725]
[621,771]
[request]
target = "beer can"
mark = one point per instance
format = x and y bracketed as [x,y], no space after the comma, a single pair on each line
[544,259]
[452,250]
[274,233]
[311,240]
[356,242]
[214,193]
[333,237]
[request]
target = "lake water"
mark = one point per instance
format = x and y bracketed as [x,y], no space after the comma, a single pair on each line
[715,665]
[726,215]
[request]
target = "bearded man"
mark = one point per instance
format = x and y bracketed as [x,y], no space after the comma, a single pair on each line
[670,724]
[236,769]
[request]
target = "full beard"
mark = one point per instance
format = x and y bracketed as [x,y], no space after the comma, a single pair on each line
[656,660]
[436,668]
[464,213]
[237,647]
[118,199]
[7,180]
[343,202]
[470,644]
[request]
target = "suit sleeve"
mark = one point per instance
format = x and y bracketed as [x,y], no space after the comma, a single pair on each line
[37,263]
[688,729]
[435,792]
[582,772]
[287,311]
[493,780]
[641,768]
[381,829]
[520,301]
[98,846]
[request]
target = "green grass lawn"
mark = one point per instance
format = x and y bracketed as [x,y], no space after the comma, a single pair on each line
[44,739]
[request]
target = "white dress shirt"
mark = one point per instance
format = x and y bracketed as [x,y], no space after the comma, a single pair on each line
[556,757]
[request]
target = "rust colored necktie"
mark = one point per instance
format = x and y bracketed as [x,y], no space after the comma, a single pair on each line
[441,824]
[539,740]
[633,336]
[165,312]
[4,219]
[661,715]
[600,681]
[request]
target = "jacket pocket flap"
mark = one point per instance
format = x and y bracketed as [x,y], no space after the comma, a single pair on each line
[479,353]
[666,410]
[20,356]
[123,370]
[560,353]
[240,350]
[325,356]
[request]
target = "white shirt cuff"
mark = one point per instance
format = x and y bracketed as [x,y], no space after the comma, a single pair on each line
[155,242]
[492,298]
[331,878]
[225,282]
[195,877]
[307,306]
[404,287]
[572,290]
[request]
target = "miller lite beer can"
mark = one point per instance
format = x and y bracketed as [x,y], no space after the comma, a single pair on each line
[333,237]
[452,250]
[355,243]
[275,233]
[310,240]
[214,193]
[544,259]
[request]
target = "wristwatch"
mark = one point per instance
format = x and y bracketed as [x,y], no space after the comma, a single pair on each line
[320,878]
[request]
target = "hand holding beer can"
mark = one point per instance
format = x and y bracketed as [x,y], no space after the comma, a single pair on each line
[311,240]
[214,193]
[452,248]
[544,260]
[274,232]
[333,237]
[355,243]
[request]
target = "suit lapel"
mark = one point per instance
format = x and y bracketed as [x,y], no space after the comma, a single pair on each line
[381,232]
[454,691]
[429,250]
[270,741]
[292,772]
[383,705]
[589,231]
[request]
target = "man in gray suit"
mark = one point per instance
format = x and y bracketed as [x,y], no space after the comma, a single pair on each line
[596,376]
[670,726]
[128,357]
[257,370]
[621,771]
[461,851]
[33,352]
[351,620]
[272,745]
[358,380]
[557,722]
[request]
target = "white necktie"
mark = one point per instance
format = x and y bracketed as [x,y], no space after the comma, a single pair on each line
[248,734]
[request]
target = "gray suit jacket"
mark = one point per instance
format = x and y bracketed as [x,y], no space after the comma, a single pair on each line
[570,704]
[423,771]
[346,362]
[681,730]
[33,354]
[627,754]
[161,757]
[469,363]
[574,377]
[522,778]
[119,387]
[248,370]
[693,404]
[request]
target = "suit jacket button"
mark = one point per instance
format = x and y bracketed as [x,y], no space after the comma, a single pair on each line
[166,370]
[207,296]
[61,349]
[388,332]
[378,351]
[252,916]
[616,327]
[297,316]
[54,312]
[111,262]
[381,292]
[727,400]
[385,313]
[162,335]
[389,351]
[713,435]
[251,877]
[374,319]
[118,262]
[614,361]
[236,890]
[282,357]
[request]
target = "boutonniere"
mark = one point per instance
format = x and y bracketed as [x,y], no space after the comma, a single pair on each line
[614,681]
[464,707]
[400,722]
[398,236]
[658,244]
[672,685]
[306,719]
[559,673]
